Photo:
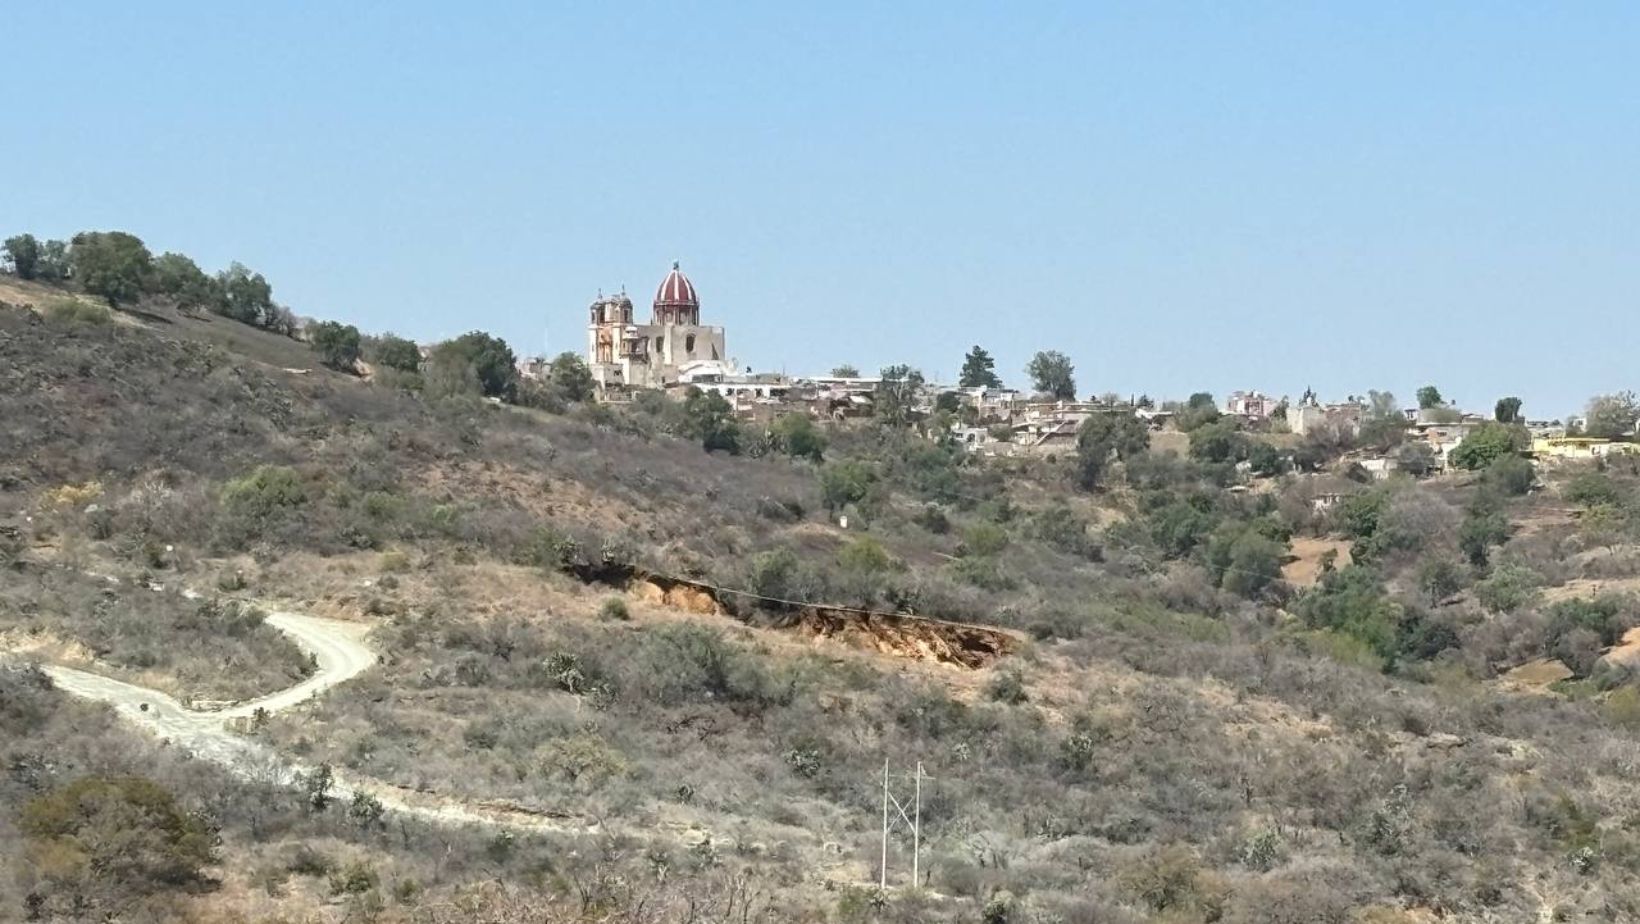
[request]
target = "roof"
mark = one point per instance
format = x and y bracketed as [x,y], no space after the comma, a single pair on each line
[676,291]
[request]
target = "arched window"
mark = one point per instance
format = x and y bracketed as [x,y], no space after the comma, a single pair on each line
[689,344]
[658,345]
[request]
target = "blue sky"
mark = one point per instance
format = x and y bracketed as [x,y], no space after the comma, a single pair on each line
[1179,196]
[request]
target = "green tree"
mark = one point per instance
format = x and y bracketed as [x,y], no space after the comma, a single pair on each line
[1429,396]
[244,296]
[1352,601]
[979,370]
[112,264]
[1053,375]
[1255,563]
[1479,532]
[844,483]
[845,371]
[180,278]
[1382,434]
[1416,458]
[1219,441]
[1103,436]
[570,378]
[23,253]
[897,395]
[1266,460]
[709,418]
[1486,444]
[1382,404]
[1612,416]
[1507,410]
[491,360]
[395,352]
[1198,411]
[54,263]
[337,344]
[102,841]
[796,435]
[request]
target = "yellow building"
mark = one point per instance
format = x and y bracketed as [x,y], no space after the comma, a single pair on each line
[1579,448]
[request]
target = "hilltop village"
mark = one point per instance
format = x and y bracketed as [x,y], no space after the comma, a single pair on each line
[306,623]
[674,354]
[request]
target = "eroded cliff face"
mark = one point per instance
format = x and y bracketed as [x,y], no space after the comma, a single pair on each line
[897,634]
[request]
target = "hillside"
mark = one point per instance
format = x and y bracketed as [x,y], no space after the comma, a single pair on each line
[621,678]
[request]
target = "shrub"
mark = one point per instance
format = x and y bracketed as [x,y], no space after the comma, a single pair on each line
[1591,489]
[267,492]
[1007,686]
[103,840]
[1511,475]
[797,436]
[355,878]
[1172,879]
[1509,588]
[774,574]
[984,539]
[584,760]
[1622,708]
[1065,531]
[865,555]
[614,608]
[72,312]
[1439,577]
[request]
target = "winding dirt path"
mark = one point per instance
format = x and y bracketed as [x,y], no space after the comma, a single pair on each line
[340,653]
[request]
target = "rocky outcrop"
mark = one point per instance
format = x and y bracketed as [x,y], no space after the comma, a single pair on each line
[898,634]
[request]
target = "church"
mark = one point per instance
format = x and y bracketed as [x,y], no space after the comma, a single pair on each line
[673,347]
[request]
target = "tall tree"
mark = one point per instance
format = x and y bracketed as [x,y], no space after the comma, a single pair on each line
[23,253]
[1053,375]
[979,370]
[53,266]
[1429,396]
[570,378]
[337,344]
[179,277]
[1488,443]
[395,352]
[490,359]
[1612,416]
[112,264]
[1383,404]
[1103,436]
[245,296]
[1507,410]
[1199,411]
[709,418]
[897,394]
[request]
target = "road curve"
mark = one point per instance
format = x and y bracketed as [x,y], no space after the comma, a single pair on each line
[340,654]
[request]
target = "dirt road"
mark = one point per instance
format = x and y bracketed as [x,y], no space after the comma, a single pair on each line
[340,654]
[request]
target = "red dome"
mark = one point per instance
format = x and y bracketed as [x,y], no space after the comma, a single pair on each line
[676,291]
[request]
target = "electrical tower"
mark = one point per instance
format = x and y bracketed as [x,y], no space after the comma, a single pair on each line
[912,821]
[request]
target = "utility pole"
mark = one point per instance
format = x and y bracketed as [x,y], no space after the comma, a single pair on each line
[916,832]
[883,881]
